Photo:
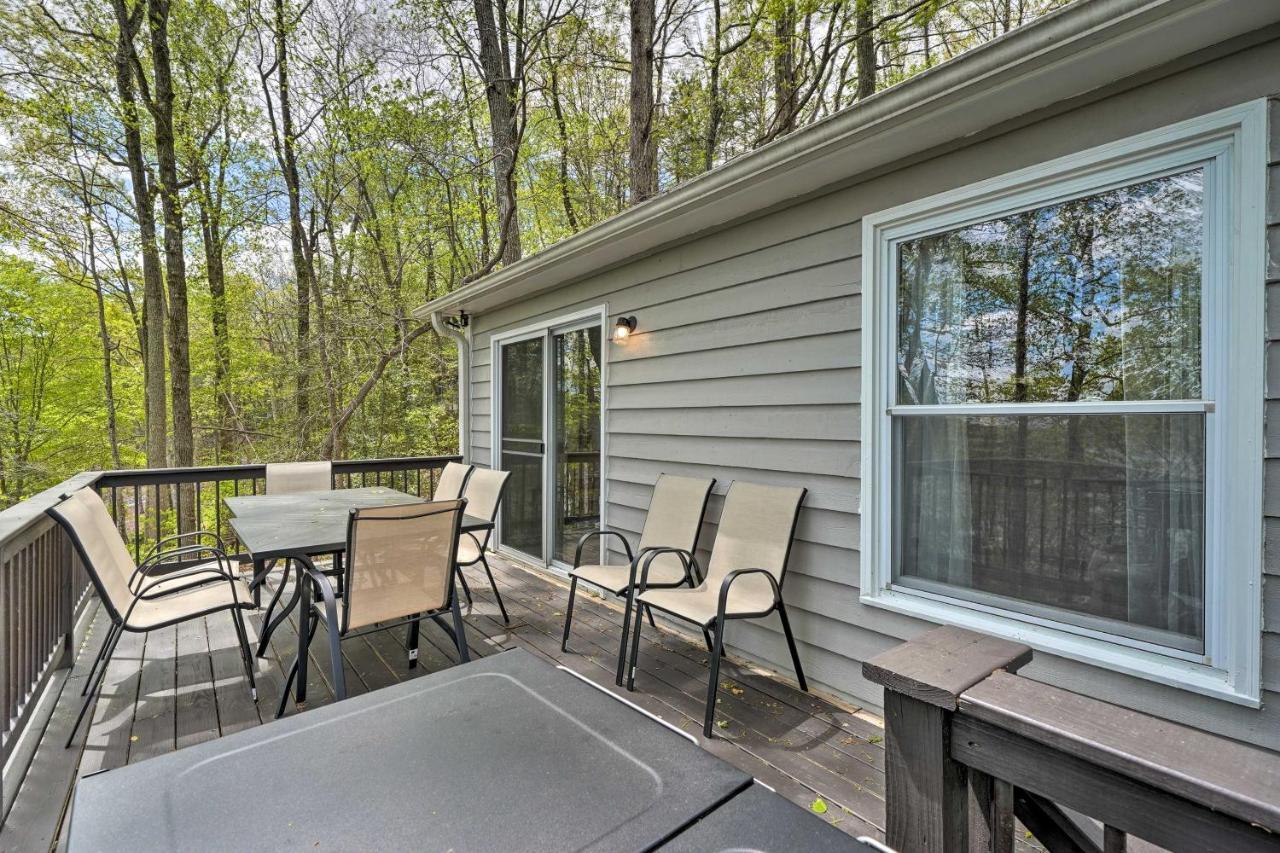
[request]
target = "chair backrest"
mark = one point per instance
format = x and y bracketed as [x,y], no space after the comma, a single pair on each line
[93,534]
[484,495]
[286,478]
[756,529]
[452,479]
[675,515]
[399,561]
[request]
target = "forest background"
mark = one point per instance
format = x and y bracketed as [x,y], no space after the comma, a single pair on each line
[216,216]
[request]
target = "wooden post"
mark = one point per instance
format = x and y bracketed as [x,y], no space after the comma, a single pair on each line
[926,792]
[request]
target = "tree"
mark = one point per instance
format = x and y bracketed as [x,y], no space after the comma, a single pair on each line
[644,170]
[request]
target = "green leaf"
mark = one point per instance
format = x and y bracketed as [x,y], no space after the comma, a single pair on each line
[818,806]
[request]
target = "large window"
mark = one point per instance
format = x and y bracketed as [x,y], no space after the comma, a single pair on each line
[1062,431]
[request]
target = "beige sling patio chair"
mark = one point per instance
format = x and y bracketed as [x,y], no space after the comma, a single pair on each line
[138,601]
[288,478]
[400,565]
[291,478]
[453,478]
[674,521]
[744,578]
[483,492]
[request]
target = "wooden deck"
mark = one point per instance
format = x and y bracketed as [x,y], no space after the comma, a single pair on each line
[183,685]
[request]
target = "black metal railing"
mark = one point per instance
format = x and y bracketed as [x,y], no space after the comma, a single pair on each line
[43,586]
[148,504]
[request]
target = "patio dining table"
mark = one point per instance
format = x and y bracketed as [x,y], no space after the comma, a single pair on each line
[304,525]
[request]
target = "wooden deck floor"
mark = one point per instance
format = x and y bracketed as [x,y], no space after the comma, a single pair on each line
[183,685]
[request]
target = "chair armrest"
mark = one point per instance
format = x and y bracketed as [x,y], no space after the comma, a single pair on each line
[648,554]
[737,573]
[141,588]
[178,537]
[577,554]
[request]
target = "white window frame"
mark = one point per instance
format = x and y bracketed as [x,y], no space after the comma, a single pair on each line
[1231,144]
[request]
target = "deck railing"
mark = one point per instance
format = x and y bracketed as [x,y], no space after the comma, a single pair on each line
[43,586]
[970,746]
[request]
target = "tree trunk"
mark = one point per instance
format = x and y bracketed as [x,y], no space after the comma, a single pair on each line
[499,89]
[174,260]
[562,129]
[211,232]
[785,89]
[104,334]
[297,235]
[866,48]
[715,104]
[644,171]
[153,302]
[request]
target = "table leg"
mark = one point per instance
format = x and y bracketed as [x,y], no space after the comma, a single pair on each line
[304,639]
[270,624]
[259,574]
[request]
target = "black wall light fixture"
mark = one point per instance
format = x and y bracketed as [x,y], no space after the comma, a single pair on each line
[623,328]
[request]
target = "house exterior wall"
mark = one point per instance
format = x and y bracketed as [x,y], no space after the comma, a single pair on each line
[746,365]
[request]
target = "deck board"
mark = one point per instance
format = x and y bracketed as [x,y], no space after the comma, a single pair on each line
[186,684]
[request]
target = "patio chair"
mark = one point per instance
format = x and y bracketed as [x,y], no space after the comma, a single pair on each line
[744,578]
[137,601]
[291,478]
[483,492]
[400,569]
[674,521]
[287,478]
[453,478]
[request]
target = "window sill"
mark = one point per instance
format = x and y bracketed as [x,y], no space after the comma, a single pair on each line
[1095,651]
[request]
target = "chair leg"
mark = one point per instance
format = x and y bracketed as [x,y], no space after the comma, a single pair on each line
[93,671]
[568,614]
[649,612]
[706,637]
[791,644]
[459,631]
[494,586]
[246,655]
[622,645]
[412,644]
[635,647]
[466,589]
[96,683]
[270,624]
[288,684]
[716,654]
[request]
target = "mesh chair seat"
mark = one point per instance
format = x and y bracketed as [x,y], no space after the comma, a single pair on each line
[151,613]
[699,605]
[666,569]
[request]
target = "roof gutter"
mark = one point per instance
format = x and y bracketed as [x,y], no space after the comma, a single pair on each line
[460,340]
[1075,50]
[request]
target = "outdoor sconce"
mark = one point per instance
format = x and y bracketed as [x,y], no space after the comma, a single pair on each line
[623,328]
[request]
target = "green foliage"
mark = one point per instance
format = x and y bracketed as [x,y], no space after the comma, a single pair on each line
[397,194]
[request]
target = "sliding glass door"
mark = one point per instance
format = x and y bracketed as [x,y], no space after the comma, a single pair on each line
[522,447]
[549,404]
[575,403]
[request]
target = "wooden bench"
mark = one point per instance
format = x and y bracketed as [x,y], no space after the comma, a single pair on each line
[970,746]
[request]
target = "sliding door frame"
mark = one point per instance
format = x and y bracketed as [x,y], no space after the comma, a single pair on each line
[547,329]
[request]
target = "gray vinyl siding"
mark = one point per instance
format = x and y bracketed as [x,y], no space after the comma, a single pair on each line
[746,365]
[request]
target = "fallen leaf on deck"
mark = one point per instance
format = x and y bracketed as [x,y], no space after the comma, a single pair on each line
[819,806]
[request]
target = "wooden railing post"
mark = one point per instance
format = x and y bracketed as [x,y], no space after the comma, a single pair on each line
[926,792]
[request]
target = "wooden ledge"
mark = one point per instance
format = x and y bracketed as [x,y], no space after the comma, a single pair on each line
[938,666]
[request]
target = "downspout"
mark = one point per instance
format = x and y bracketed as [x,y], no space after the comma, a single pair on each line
[464,380]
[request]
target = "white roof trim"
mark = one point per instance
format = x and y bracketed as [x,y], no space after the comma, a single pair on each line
[1075,50]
